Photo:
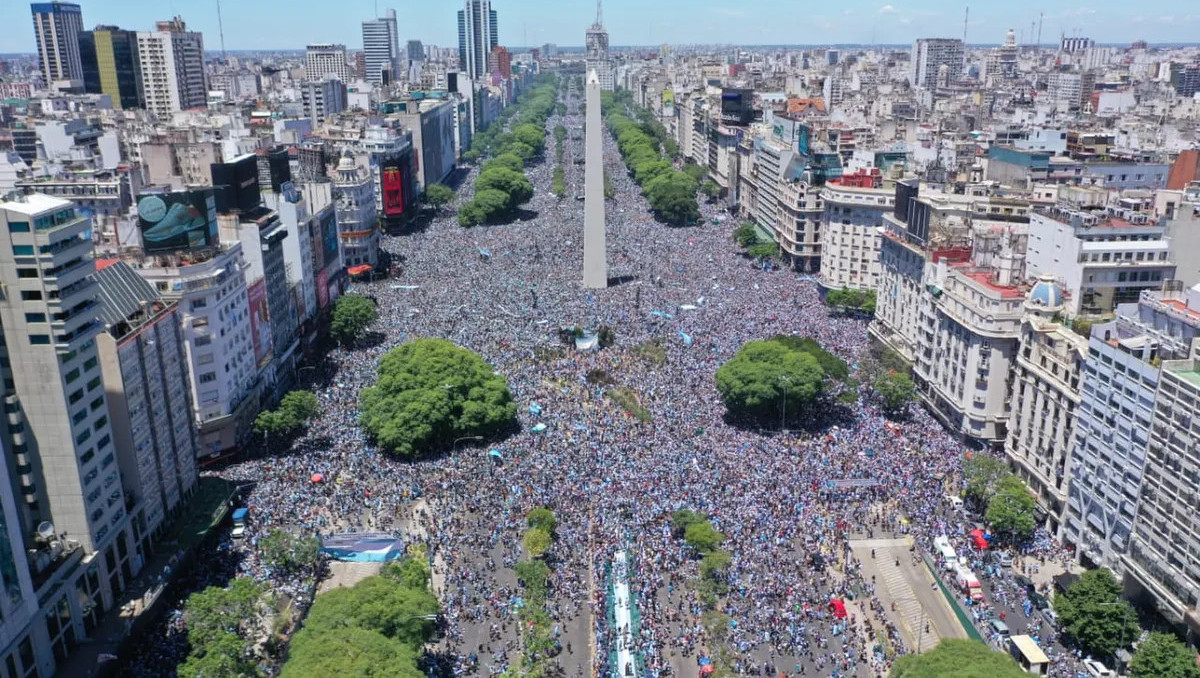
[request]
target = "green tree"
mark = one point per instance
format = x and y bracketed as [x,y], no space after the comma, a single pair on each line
[558,183]
[1162,655]
[348,653]
[378,604]
[300,406]
[213,612]
[513,184]
[352,315]
[510,161]
[763,250]
[696,172]
[285,552]
[982,472]
[1093,613]
[703,537]
[672,196]
[492,204]
[438,195]
[763,374]
[471,156]
[531,135]
[650,169]
[225,655]
[410,572]
[430,392]
[542,518]
[833,366]
[521,149]
[684,518]
[1010,510]
[895,390]
[711,190]
[535,576]
[955,658]
[536,542]
[715,564]
[746,235]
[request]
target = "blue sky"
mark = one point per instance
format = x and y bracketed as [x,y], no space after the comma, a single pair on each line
[251,24]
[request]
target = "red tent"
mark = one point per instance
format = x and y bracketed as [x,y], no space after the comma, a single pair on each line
[838,607]
[978,539]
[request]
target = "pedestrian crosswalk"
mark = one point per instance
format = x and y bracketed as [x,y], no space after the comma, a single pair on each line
[909,612]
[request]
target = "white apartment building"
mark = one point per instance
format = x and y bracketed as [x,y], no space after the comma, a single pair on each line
[322,98]
[1045,395]
[171,59]
[1102,258]
[930,54]
[146,379]
[798,231]
[968,331]
[292,207]
[478,33]
[771,158]
[325,59]
[59,428]
[212,295]
[1164,556]
[852,235]
[1070,90]
[357,215]
[1113,427]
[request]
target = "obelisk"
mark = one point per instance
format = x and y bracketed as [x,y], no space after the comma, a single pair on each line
[595,259]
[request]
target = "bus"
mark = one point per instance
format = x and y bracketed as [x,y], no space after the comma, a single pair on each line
[1029,655]
[941,545]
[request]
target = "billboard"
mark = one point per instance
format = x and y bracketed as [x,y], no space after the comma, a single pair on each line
[260,321]
[737,106]
[668,103]
[330,247]
[235,184]
[393,190]
[323,289]
[177,221]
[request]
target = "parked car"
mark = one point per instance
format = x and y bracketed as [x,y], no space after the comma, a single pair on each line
[1050,617]
[1097,669]
[1003,558]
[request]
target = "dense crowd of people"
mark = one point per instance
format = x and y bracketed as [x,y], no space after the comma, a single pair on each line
[612,480]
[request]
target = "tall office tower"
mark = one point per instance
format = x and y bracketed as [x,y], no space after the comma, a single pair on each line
[327,59]
[595,41]
[381,48]
[930,54]
[416,50]
[144,364]
[172,65]
[64,458]
[111,66]
[478,33]
[56,27]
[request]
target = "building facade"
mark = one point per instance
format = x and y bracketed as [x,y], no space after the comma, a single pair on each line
[110,63]
[478,33]
[852,234]
[929,55]
[172,67]
[56,27]
[327,60]
[381,49]
[357,216]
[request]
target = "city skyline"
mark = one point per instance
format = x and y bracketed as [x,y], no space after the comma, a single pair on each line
[535,22]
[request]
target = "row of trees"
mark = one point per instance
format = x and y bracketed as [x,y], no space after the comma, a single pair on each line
[1009,505]
[430,392]
[378,627]
[502,187]
[845,299]
[670,192]
[781,377]
[704,542]
[538,643]
[220,624]
[754,245]
[558,183]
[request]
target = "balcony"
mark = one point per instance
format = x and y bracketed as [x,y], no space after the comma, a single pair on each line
[70,273]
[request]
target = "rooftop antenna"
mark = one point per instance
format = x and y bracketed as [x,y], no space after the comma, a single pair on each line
[966,18]
[599,13]
[221,29]
[1041,15]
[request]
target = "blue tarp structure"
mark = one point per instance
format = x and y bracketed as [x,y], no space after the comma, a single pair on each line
[535,408]
[687,341]
[369,547]
[495,454]
[538,428]
[662,314]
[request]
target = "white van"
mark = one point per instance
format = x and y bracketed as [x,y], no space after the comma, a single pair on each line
[955,502]
[941,544]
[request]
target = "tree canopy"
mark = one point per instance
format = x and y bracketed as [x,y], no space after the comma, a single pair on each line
[542,517]
[895,389]
[352,315]
[766,377]
[1010,510]
[982,473]
[670,192]
[536,542]
[1095,616]
[846,299]
[1162,655]
[217,620]
[438,195]
[510,161]
[430,392]
[285,552]
[350,652]
[955,658]
[378,604]
[295,410]
[703,537]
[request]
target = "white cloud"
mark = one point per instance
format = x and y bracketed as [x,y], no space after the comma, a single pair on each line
[888,9]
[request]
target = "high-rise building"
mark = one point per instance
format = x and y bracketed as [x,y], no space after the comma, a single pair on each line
[145,372]
[381,49]
[354,196]
[415,50]
[323,98]
[930,54]
[478,33]
[1072,45]
[500,62]
[172,66]
[63,456]
[325,59]
[110,63]
[595,41]
[56,27]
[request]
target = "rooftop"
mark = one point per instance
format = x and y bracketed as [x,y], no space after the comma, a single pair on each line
[34,203]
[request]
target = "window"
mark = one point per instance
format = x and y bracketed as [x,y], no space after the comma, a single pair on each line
[27,273]
[23,250]
[39,339]
[31,295]
[208,377]
[35,317]
[92,384]
[203,340]
[18,226]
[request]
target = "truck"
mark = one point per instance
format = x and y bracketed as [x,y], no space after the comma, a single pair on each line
[968,583]
[941,545]
[239,522]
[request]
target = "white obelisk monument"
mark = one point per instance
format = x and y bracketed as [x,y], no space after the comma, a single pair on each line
[595,259]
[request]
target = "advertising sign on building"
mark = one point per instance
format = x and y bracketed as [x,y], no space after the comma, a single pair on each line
[177,221]
[393,190]
[323,289]
[668,103]
[260,321]
[330,245]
